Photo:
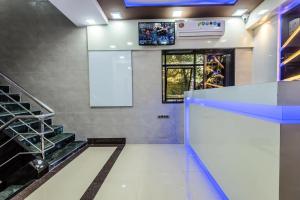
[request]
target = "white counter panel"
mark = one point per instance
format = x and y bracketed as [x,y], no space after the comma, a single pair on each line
[241,153]
[259,94]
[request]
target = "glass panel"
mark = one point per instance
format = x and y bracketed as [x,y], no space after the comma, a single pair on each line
[199,78]
[180,59]
[199,59]
[215,71]
[178,81]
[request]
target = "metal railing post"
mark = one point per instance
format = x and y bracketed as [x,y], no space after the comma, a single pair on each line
[30,115]
[43,137]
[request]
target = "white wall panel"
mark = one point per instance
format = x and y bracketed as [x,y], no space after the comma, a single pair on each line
[110,78]
[265,52]
[119,33]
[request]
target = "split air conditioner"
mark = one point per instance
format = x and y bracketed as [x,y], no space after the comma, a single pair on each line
[200,28]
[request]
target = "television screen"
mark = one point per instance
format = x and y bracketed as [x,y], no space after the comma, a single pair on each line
[156,33]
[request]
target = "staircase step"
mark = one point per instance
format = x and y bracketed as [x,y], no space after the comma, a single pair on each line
[33,123]
[61,154]
[60,140]
[5,116]
[10,191]
[4,98]
[11,106]
[58,129]
[4,88]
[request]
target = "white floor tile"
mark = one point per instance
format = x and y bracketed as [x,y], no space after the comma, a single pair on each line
[73,180]
[156,172]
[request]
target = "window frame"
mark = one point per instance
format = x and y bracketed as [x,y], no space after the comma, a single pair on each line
[193,67]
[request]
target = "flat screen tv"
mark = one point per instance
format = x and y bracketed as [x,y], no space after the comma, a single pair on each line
[156,33]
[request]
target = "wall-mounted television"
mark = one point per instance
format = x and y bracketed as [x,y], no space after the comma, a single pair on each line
[156,33]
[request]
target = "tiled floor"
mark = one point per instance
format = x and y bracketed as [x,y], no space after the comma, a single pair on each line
[72,181]
[156,172]
[142,172]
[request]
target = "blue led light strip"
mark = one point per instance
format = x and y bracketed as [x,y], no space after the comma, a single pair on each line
[196,158]
[134,3]
[271,113]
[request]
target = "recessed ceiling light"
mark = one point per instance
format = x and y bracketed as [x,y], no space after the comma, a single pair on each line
[129,43]
[239,12]
[177,13]
[112,46]
[90,21]
[262,12]
[116,15]
[122,57]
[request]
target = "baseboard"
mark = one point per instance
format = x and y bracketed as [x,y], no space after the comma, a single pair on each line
[106,141]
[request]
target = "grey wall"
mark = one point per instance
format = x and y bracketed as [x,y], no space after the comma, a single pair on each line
[45,53]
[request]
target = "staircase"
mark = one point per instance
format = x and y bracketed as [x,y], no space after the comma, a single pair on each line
[30,144]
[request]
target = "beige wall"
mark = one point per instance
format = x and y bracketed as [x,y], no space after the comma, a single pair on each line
[243,66]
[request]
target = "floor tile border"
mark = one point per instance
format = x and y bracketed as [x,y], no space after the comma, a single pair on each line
[94,187]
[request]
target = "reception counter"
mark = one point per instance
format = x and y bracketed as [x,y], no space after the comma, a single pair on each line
[248,139]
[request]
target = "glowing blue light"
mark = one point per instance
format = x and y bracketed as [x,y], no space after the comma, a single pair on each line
[134,3]
[283,10]
[290,6]
[194,155]
[272,113]
[204,169]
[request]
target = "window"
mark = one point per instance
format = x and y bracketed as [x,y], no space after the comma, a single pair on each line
[184,70]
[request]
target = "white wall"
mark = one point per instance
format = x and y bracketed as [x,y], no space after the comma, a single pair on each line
[120,32]
[243,66]
[265,52]
[272,8]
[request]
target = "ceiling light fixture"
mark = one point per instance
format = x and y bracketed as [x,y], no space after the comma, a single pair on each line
[143,3]
[177,13]
[129,43]
[90,22]
[239,12]
[262,12]
[116,15]
[112,46]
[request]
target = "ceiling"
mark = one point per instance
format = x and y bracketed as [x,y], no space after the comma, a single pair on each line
[164,12]
[79,12]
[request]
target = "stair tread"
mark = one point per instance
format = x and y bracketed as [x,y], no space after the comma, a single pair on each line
[16,112]
[14,103]
[62,153]
[27,121]
[5,88]
[9,191]
[28,136]
[55,139]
